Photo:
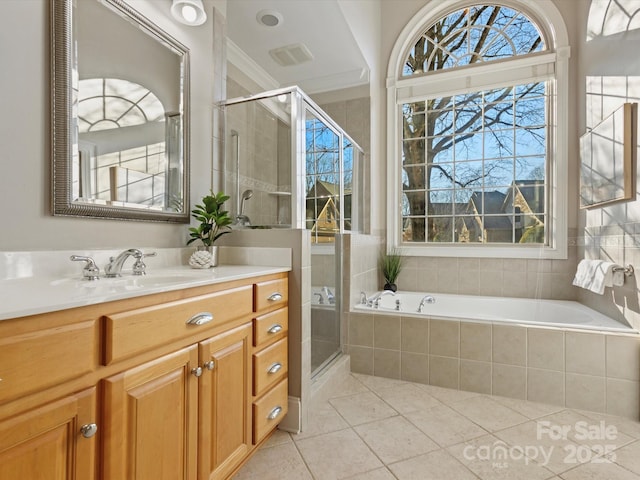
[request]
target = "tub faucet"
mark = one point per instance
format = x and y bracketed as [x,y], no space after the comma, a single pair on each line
[330,296]
[363,298]
[114,268]
[376,299]
[425,299]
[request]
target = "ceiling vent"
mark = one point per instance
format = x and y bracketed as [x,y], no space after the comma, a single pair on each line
[291,55]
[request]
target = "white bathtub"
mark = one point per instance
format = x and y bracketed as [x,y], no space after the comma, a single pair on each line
[548,313]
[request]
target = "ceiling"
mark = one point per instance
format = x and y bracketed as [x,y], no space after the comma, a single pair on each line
[318,24]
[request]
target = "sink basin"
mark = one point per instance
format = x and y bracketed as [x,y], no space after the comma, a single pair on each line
[129,282]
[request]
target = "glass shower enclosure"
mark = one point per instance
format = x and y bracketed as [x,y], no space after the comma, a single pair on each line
[289,165]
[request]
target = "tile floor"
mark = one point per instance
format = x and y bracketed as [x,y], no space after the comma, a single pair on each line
[378,429]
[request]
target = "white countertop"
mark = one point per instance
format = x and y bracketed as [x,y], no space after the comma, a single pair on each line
[40,282]
[33,295]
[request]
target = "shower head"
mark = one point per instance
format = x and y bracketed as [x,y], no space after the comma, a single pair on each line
[247,194]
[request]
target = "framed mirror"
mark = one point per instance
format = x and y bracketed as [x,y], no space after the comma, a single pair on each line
[120,114]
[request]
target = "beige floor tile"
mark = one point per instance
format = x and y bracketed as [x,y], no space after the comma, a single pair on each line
[586,431]
[377,474]
[445,426]
[448,395]
[278,437]
[362,408]
[492,459]
[322,418]
[407,398]
[349,386]
[625,425]
[337,455]
[394,439]
[528,408]
[628,457]
[488,413]
[599,471]
[282,462]
[377,383]
[549,452]
[437,465]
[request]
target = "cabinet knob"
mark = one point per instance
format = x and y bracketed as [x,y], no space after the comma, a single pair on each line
[274,413]
[275,328]
[275,368]
[200,318]
[196,371]
[89,430]
[275,297]
[210,365]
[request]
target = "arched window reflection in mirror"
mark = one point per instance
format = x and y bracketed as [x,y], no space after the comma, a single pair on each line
[139,171]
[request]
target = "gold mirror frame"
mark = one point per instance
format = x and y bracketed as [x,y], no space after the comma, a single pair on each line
[62,122]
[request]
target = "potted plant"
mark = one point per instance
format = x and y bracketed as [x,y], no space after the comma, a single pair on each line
[390,265]
[214,222]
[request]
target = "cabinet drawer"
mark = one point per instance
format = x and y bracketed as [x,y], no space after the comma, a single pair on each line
[136,331]
[269,411]
[270,326]
[271,294]
[36,360]
[270,366]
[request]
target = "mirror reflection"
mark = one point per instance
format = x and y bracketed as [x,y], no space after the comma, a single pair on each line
[127,155]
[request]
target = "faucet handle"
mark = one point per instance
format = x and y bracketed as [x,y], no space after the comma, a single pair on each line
[139,267]
[90,270]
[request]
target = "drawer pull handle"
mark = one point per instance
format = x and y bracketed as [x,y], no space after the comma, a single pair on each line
[275,297]
[196,371]
[89,430]
[200,318]
[210,365]
[274,413]
[275,368]
[275,328]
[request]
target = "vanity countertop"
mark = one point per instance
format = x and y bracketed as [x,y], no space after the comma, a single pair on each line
[21,297]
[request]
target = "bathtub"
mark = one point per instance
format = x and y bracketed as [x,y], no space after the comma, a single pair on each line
[548,313]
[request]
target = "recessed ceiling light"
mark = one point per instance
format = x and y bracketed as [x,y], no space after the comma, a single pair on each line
[269,18]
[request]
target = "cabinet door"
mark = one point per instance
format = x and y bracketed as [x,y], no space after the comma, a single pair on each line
[225,402]
[47,444]
[151,420]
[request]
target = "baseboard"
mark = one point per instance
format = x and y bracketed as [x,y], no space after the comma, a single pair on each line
[293,419]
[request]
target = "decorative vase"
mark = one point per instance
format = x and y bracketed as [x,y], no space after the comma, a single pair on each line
[390,286]
[205,256]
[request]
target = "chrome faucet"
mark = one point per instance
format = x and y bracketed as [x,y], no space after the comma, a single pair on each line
[114,268]
[376,299]
[363,298]
[320,298]
[425,299]
[330,296]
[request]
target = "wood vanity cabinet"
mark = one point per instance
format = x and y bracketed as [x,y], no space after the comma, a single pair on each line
[171,399]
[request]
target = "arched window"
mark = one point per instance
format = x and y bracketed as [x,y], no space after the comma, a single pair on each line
[477,137]
[106,103]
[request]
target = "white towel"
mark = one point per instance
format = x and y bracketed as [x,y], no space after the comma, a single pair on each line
[595,275]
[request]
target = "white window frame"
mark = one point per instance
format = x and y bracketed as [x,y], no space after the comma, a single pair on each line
[552,66]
